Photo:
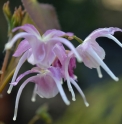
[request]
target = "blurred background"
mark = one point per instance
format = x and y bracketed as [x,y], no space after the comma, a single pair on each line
[80,17]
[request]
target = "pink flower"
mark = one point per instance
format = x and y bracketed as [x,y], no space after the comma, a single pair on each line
[37,49]
[66,62]
[48,83]
[92,54]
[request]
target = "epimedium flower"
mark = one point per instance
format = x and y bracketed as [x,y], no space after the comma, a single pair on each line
[38,49]
[66,62]
[48,83]
[92,54]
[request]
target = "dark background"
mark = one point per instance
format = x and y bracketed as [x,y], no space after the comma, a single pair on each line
[80,17]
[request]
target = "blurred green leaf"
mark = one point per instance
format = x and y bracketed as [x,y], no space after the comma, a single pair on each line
[43,15]
[105,106]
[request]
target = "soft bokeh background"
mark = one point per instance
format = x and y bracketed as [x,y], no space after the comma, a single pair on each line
[80,17]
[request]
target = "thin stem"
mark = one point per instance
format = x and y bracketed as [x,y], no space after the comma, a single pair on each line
[5,62]
[78,39]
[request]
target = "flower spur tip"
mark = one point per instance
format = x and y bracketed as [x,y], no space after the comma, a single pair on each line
[87,104]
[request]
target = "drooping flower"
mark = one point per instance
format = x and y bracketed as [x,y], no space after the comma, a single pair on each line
[48,83]
[66,62]
[92,54]
[37,49]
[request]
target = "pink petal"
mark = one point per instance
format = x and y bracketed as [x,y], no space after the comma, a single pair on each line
[101,32]
[56,33]
[69,45]
[22,47]
[28,28]
[46,86]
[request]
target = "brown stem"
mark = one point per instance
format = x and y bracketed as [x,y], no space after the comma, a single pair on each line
[5,62]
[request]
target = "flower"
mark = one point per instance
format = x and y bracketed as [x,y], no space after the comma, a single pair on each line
[66,62]
[53,63]
[37,49]
[48,82]
[92,54]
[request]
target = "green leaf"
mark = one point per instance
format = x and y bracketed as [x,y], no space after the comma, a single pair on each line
[105,106]
[43,15]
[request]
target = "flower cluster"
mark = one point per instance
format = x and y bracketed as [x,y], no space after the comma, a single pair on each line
[53,64]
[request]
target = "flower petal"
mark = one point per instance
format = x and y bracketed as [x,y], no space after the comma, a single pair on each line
[29,29]
[19,93]
[69,45]
[101,32]
[103,65]
[46,86]
[80,91]
[56,33]
[22,47]
[10,44]
[21,61]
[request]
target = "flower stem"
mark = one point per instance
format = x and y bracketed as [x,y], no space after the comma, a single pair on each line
[5,62]
[78,39]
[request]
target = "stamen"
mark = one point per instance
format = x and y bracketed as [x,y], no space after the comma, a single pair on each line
[99,72]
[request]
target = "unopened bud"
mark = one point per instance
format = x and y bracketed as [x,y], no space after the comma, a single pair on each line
[17,16]
[6,11]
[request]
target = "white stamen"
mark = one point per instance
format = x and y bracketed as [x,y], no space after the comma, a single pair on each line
[99,72]
[80,91]
[114,39]
[103,65]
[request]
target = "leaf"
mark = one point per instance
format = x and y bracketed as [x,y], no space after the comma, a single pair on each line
[43,15]
[105,106]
